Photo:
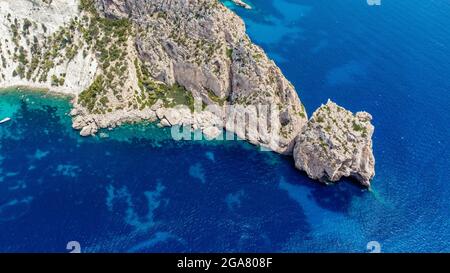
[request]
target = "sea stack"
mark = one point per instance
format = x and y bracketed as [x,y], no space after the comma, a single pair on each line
[336,143]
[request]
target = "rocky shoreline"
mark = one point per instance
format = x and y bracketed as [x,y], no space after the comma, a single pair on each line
[335,144]
[188,64]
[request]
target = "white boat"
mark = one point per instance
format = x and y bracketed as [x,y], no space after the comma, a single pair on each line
[4,120]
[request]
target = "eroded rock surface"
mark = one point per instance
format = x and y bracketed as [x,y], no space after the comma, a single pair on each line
[336,143]
[203,46]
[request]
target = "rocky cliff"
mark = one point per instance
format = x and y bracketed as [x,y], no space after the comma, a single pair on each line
[182,62]
[336,144]
[203,47]
[38,49]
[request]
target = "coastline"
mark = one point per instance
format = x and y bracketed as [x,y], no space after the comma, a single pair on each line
[42,90]
[231,87]
[207,75]
[105,122]
[112,122]
[124,121]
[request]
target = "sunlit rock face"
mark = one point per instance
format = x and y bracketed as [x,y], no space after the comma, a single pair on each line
[35,51]
[336,143]
[204,47]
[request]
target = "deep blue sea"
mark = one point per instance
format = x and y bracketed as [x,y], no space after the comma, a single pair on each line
[137,190]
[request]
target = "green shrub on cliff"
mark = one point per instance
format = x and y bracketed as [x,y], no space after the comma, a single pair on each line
[88,97]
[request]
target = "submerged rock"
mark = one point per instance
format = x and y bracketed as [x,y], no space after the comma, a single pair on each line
[336,143]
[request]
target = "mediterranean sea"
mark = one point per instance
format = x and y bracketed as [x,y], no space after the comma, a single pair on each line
[134,189]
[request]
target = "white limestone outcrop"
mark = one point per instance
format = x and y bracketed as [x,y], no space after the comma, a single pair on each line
[27,28]
[335,144]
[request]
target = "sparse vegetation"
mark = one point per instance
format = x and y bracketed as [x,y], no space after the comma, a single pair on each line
[88,97]
[230,53]
[152,90]
[220,101]
[357,127]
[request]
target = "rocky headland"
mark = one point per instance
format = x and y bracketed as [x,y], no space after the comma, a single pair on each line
[336,143]
[178,62]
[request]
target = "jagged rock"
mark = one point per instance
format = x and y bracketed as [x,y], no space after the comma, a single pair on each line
[89,130]
[165,123]
[160,113]
[78,123]
[335,144]
[74,112]
[211,132]
[158,104]
[173,116]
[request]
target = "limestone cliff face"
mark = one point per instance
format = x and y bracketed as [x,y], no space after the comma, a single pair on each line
[34,46]
[204,47]
[336,144]
[182,62]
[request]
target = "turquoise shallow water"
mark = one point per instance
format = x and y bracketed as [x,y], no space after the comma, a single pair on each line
[138,190]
